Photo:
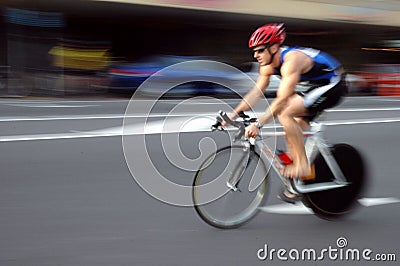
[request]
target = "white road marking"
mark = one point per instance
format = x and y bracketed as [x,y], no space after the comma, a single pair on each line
[299,208]
[287,208]
[368,202]
[51,105]
[362,109]
[156,115]
[386,99]
[8,102]
[361,121]
[176,125]
[177,122]
[88,103]
[65,117]
[55,136]
[105,116]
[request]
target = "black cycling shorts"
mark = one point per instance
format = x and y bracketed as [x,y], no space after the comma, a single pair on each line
[319,98]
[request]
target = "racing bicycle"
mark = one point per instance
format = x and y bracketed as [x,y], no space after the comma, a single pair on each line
[232,183]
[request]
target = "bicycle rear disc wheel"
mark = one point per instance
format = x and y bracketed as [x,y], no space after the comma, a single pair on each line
[335,203]
[224,207]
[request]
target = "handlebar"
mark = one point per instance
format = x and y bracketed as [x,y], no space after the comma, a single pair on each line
[241,125]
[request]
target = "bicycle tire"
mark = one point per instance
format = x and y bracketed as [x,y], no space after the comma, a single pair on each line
[336,203]
[232,209]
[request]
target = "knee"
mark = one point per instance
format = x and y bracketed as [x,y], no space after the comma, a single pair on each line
[284,117]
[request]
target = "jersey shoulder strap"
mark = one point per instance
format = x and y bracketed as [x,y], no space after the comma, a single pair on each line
[313,53]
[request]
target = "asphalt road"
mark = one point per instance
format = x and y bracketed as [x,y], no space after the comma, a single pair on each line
[67,196]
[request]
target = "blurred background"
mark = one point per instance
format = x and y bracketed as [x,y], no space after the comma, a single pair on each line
[67,71]
[108,48]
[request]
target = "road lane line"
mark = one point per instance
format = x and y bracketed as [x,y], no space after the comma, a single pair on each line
[51,105]
[299,208]
[362,109]
[158,127]
[360,122]
[158,115]
[287,208]
[368,202]
[55,136]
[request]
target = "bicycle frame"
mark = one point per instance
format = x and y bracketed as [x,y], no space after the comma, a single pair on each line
[314,142]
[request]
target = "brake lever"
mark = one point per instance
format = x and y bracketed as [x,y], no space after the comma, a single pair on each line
[243,115]
[217,125]
[234,123]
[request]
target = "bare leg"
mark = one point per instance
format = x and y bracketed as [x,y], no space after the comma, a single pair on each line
[304,124]
[295,138]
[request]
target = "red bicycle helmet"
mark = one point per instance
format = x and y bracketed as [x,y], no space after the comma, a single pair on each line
[268,34]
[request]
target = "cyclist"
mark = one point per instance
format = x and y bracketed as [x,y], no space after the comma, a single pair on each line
[294,110]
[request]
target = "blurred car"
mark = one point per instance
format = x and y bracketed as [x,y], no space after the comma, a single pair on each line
[208,77]
[205,78]
[127,77]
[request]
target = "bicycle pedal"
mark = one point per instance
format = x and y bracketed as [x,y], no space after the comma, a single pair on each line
[311,176]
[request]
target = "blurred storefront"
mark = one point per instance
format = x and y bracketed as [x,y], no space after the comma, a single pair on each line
[66,46]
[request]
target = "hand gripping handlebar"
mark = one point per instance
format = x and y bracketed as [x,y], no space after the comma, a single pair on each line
[224,117]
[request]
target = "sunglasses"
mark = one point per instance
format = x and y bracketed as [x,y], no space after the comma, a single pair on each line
[260,50]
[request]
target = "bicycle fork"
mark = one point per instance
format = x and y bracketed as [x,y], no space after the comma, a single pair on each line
[237,173]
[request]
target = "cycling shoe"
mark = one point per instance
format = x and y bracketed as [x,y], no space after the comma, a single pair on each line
[283,195]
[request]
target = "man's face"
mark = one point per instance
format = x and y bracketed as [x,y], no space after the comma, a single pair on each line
[262,55]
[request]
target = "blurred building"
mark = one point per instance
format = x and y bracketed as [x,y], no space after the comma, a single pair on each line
[51,42]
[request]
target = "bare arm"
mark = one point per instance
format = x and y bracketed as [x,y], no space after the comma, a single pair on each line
[255,94]
[295,64]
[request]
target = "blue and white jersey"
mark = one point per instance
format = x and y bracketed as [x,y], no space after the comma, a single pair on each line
[325,70]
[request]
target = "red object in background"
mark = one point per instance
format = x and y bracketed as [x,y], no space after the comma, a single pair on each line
[385,77]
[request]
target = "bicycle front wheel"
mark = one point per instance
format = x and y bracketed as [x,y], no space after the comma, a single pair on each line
[230,187]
